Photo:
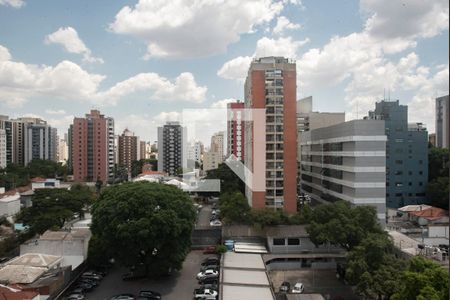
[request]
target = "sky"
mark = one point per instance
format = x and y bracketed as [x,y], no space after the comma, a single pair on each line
[144,62]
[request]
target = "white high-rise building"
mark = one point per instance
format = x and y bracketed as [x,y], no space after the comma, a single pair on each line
[63,151]
[2,148]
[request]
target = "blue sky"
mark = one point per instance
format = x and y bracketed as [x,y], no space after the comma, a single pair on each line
[143,62]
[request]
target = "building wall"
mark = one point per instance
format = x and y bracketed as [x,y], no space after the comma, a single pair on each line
[10,205]
[211,160]
[127,149]
[271,85]
[40,141]
[235,130]
[406,155]
[171,148]
[346,161]
[217,144]
[2,148]
[93,147]
[442,122]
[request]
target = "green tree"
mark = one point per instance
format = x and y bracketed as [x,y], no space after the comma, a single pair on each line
[437,163]
[304,216]
[234,208]
[53,207]
[229,181]
[143,223]
[342,224]
[423,279]
[268,217]
[438,193]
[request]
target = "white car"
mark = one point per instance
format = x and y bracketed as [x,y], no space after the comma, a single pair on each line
[298,288]
[208,274]
[215,223]
[205,294]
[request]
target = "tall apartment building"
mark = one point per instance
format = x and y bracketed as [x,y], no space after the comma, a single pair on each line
[14,130]
[307,119]
[92,147]
[128,150]
[271,85]
[235,129]
[171,148]
[442,122]
[2,149]
[211,161]
[142,150]
[63,151]
[346,161]
[217,144]
[406,155]
[195,151]
[40,140]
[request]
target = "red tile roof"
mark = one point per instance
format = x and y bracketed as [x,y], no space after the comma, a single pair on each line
[431,213]
[15,293]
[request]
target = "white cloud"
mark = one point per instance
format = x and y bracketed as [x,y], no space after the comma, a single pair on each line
[284,24]
[222,103]
[237,68]
[69,39]
[405,19]
[55,112]
[183,89]
[193,28]
[13,3]
[67,80]
[164,117]
[4,54]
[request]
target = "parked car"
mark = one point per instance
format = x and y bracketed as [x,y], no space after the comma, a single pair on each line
[133,276]
[210,250]
[208,274]
[215,212]
[92,273]
[92,282]
[149,295]
[205,294]
[211,267]
[77,290]
[75,296]
[123,297]
[285,287]
[85,286]
[210,280]
[298,288]
[210,286]
[215,223]
[211,261]
[90,276]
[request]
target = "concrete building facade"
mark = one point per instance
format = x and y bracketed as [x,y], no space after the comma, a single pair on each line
[235,130]
[271,84]
[2,148]
[307,119]
[14,131]
[217,144]
[142,150]
[63,151]
[128,145]
[211,160]
[171,148]
[40,141]
[92,147]
[442,122]
[346,161]
[406,155]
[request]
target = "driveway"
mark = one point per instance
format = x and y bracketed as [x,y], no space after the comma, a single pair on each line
[178,286]
[204,216]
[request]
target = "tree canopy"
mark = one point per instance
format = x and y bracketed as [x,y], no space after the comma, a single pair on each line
[437,188]
[53,207]
[143,223]
[342,224]
[229,181]
[423,279]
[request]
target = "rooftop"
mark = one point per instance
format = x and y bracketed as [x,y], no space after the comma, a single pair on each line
[20,273]
[15,293]
[35,260]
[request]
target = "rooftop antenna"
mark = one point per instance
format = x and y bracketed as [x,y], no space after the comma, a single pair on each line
[384,94]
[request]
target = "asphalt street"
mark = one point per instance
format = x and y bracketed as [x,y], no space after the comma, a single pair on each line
[203,216]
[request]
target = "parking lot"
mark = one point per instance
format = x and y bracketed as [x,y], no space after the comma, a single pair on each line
[315,281]
[178,286]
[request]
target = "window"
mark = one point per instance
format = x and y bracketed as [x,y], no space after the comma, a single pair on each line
[399,184]
[292,241]
[410,183]
[399,162]
[420,183]
[420,173]
[279,242]
[398,172]
[398,195]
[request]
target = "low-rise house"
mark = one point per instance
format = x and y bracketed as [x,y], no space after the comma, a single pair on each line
[16,293]
[71,246]
[9,205]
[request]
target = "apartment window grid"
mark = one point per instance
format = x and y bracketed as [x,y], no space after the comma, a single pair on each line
[274,138]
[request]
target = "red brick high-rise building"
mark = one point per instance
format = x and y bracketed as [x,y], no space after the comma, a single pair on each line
[271,86]
[235,129]
[92,147]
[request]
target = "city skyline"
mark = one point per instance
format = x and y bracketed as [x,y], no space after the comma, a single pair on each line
[104,55]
